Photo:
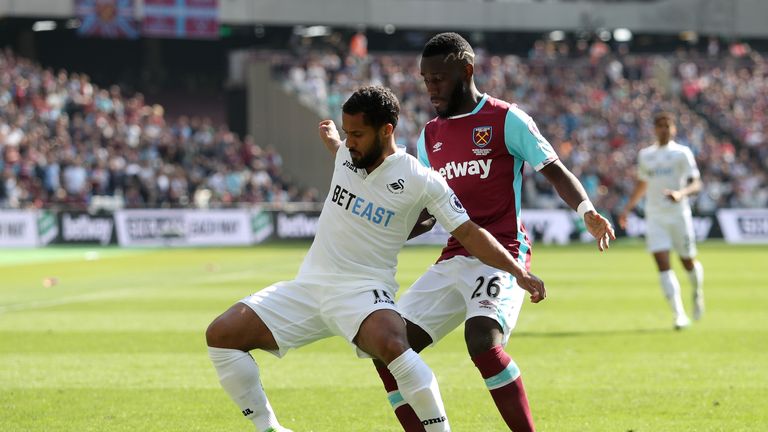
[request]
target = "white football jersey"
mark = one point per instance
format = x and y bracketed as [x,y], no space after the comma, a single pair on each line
[666,167]
[366,218]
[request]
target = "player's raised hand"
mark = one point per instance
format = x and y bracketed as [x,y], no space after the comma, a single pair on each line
[330,135]
[600,229]
[534,285]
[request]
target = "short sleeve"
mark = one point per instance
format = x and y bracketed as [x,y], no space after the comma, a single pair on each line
[341,153]
[524,141]
[421,149]
[690,170]
[643,173]
[442,203]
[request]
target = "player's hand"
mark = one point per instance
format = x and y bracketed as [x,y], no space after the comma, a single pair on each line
[534,285]
[673,195]
[329,134]
[600,229]
[623,219]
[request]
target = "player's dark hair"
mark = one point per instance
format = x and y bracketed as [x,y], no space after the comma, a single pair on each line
[378,105]
[451,46]
[663,115]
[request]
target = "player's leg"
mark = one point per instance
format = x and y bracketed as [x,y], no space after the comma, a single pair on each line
[230,337]
[418,339]
[685,243]
[432,309]
[659,241]
[485,342]
[696,276]
[670,286]
[383,336]
[369,320]
[493,303]
[241,329]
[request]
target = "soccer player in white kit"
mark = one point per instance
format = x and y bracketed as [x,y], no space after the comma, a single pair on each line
[667,174]
[346,284]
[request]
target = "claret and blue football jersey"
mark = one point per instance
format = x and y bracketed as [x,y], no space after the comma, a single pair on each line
[481,156]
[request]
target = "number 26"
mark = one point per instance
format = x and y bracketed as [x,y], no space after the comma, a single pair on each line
[492,289]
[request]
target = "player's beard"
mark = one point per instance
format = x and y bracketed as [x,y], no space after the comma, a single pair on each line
[664,138]
[368,159]
[457,95]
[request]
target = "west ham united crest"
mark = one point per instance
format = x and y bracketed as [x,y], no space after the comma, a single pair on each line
[482,135]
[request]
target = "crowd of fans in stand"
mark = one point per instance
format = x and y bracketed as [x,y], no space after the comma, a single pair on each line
[733,94]
[64,141]
[596,108]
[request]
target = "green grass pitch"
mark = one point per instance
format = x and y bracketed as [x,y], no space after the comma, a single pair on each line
[117,344]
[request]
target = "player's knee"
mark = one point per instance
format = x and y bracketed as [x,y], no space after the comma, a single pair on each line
[479,344]
[217,334]
[482,334]
[211,334]
[688,263]
[393,348]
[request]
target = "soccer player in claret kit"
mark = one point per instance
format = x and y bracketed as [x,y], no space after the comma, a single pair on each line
[667,171]
[479,145]
[346,284]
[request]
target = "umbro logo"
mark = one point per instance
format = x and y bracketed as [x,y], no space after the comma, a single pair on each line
[396,187]
[487,304]
[437,147]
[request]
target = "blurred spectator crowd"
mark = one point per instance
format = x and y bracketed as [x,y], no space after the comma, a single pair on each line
[596,108]
[64,142]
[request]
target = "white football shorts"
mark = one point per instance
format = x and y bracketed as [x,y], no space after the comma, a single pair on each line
[454,290]
[299,313]
[665,232]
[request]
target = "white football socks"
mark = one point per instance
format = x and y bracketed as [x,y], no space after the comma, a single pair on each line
[696,276]
[671,288]
[239,375]
[418,387]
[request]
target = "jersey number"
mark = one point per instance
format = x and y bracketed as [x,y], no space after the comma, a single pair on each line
[492,289]
[382,297]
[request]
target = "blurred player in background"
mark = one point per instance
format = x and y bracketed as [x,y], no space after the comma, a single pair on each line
[479,144]
[667,174]
[346,284]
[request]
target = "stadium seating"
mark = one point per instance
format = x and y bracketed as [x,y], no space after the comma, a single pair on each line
[595,109]
[65,141]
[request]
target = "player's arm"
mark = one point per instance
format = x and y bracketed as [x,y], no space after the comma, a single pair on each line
[424,224]
[572,192]
[689,171]
[524,141]
[640,187]
[694,186]
[482,245]
[330,135]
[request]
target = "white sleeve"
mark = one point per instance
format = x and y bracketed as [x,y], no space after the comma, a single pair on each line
[341,153]
[690,170]
[642,170]
[442,203]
